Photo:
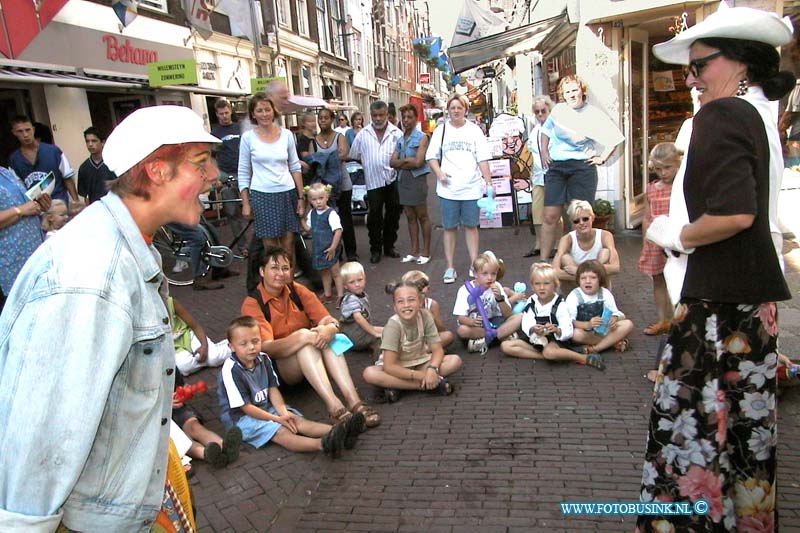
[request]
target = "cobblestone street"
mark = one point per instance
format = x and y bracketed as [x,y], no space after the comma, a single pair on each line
[515,439]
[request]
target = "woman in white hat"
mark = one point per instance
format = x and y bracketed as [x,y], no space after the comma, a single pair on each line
[86,352]
[713,429]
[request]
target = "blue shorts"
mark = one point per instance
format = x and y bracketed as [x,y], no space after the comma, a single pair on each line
[257,432]
[463,212]
[569,180]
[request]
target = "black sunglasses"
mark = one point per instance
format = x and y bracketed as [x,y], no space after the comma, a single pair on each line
[695,67]
[581,219]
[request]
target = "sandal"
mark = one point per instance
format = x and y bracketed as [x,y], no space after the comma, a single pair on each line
[651,376]
[342,415]
[657,328]
[444,388]
[588,349]
[371,416]
[594,360]
[391,395]
[622,345]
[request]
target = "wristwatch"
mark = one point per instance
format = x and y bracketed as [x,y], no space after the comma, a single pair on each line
[435,368]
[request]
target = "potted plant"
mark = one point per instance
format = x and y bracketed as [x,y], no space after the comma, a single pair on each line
[603,213]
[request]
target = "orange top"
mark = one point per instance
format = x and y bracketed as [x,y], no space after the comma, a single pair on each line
[285,317]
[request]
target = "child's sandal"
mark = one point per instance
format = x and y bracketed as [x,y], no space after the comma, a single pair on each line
[595,360]
[444,388]
[589,349]
[622,345]
[391,395]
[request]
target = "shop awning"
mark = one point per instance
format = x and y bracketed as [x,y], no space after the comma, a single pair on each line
[43,73]
[25,72]
[599,11]
[510,43]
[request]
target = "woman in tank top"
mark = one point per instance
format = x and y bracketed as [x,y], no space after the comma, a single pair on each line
[584,243]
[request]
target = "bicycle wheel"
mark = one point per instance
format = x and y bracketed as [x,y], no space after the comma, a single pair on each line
[175,263]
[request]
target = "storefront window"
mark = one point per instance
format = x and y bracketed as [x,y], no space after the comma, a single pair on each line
[154,5]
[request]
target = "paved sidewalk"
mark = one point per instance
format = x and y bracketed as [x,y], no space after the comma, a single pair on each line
[515,439]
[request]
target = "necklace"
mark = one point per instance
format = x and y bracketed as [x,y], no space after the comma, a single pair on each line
[323,141]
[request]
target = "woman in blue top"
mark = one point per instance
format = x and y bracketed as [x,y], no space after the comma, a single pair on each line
[576,139]
[269,176]
[20,227]
[412,184]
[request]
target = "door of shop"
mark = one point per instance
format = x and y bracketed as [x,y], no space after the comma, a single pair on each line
[636,147]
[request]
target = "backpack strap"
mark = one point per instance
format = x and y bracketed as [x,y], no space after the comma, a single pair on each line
[256,295]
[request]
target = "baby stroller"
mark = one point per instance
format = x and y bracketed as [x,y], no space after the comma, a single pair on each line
[356,172]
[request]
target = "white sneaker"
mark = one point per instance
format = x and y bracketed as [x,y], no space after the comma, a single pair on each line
[179,266]
[423,260]
[477,346]
[450,276]
[409,259]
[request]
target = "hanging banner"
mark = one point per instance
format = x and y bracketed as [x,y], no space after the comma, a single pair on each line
[475,22]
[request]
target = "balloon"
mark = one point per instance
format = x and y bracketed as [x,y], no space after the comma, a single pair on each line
[474,298]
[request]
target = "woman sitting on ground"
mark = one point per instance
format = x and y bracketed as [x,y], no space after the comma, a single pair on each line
[584,243]
[296,331]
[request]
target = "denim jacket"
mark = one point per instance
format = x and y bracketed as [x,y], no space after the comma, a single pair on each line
[86,379]
[409,148]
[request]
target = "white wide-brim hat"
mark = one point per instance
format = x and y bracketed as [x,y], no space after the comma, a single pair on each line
[146,129]
[733,23]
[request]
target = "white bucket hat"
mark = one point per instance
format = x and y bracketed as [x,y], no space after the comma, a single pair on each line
[734,23]
[147,129]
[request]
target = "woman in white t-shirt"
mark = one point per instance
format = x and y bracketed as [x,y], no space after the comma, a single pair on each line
[269,176]
[458,156]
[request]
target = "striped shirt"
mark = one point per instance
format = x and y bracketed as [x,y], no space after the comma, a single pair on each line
[375,155]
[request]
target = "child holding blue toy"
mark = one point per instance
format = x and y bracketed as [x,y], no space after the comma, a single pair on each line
[482,307]
[546,324]
[597,321]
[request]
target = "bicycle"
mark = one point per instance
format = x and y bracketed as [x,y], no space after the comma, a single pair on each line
[175,250]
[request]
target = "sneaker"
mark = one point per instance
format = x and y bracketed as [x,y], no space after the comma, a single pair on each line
[232,444]
[423,260]
[409,259]
[333,441]
[179,266]
[450,276]
[355,426]
[477,346]
[212,454]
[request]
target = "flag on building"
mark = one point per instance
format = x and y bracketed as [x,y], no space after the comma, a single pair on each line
[198,14]
[125,10]
[240,16]
[475,22]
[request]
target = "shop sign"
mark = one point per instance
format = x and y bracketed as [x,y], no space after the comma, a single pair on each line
[125,53]
[182,72]
[425,78]
[208,71]
[260,84]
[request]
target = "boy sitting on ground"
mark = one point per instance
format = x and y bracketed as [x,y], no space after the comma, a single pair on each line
[250,400]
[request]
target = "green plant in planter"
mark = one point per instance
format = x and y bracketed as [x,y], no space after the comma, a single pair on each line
[603,208]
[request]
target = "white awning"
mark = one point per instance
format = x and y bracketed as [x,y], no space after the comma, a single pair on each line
[599,11]
[510,43]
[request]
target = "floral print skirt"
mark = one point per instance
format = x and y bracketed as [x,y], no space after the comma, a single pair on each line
[713,432]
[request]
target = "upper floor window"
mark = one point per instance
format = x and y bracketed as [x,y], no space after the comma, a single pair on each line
[302,17]
[155,5]
[355,49]
[284,15]
[322,27]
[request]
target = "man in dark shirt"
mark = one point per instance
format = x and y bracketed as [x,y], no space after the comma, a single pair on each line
[93,174]
[229,132]
[34,160]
